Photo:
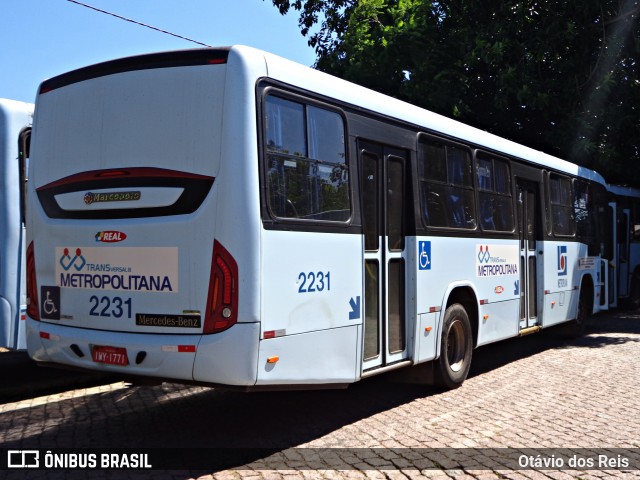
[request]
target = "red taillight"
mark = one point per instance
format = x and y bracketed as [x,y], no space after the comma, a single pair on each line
[222,301]
[32,289]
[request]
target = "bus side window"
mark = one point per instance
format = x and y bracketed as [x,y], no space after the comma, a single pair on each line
[306,170]
[494,194]
[446,183]
[561,206]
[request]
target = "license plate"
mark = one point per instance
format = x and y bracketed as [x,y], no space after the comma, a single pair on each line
[110,355]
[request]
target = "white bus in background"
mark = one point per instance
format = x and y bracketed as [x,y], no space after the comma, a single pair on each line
[228,217]
[625,276]
[15,129]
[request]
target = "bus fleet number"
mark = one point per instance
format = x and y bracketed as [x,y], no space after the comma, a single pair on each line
[314,282]
[110,307]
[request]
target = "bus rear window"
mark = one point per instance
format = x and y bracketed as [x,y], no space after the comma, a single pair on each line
[306,170]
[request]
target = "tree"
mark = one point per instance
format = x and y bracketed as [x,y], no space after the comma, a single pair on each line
[560,76]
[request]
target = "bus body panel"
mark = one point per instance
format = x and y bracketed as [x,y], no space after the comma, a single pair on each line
[324,356]
[229,357]
[120,121]
[14,117]
[53,343]
[311,297]
[311,281]
[488,267]
[566,264]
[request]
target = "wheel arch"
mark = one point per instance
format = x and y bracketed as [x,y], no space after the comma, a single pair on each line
[465,295]
[587,287]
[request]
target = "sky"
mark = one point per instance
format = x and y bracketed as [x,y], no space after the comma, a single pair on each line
[40,39]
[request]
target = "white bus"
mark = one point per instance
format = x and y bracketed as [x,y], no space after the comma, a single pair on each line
[228,217]
[625,259]
[15,130]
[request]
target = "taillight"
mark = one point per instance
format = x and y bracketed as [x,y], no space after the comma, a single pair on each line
[32,289]
[222,301]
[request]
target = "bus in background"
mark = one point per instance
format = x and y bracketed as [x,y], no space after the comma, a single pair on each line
[228,217]
[625,276]
[15,131]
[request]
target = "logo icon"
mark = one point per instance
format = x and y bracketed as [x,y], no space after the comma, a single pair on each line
[110,236]
[424,255]
[483,255]
[23,459]
[562,260]
[91,197]
[78,262]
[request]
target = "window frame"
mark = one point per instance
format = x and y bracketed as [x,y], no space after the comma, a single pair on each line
[425,138]
[550,176]
[477,156]
[265,91]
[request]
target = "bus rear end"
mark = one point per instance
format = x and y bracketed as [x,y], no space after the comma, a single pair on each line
[135,245]
[15,126]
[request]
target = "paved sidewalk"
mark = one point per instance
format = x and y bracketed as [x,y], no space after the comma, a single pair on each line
[537,392]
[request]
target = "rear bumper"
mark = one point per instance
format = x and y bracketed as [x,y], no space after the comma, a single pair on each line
[226,358]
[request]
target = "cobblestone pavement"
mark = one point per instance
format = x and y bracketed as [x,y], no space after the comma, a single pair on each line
[540,392]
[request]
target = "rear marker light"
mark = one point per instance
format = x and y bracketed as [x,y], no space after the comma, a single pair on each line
[45,335]
[222,300]
[179,348]
[32,290]
[274,333]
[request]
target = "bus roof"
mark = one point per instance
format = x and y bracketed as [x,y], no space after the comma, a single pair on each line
[624,191]
[298,75]
[330,86]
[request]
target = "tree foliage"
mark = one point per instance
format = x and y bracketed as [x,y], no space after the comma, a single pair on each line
[558,75]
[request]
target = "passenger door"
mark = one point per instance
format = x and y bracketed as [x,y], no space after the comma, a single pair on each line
[528,226]
[384,193]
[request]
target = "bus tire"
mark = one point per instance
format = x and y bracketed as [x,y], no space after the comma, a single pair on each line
[456,347]
[576,328]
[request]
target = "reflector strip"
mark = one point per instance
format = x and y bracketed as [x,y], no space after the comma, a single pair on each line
[274,333]
[179,348]
[434,309]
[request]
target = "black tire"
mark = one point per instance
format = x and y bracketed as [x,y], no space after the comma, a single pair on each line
[576,328]
[456,347]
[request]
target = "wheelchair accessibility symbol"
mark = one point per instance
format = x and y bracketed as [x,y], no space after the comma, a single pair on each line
[424,255]
[50,302]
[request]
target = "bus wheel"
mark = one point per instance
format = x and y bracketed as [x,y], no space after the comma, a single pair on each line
[455,348]
[576,328]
